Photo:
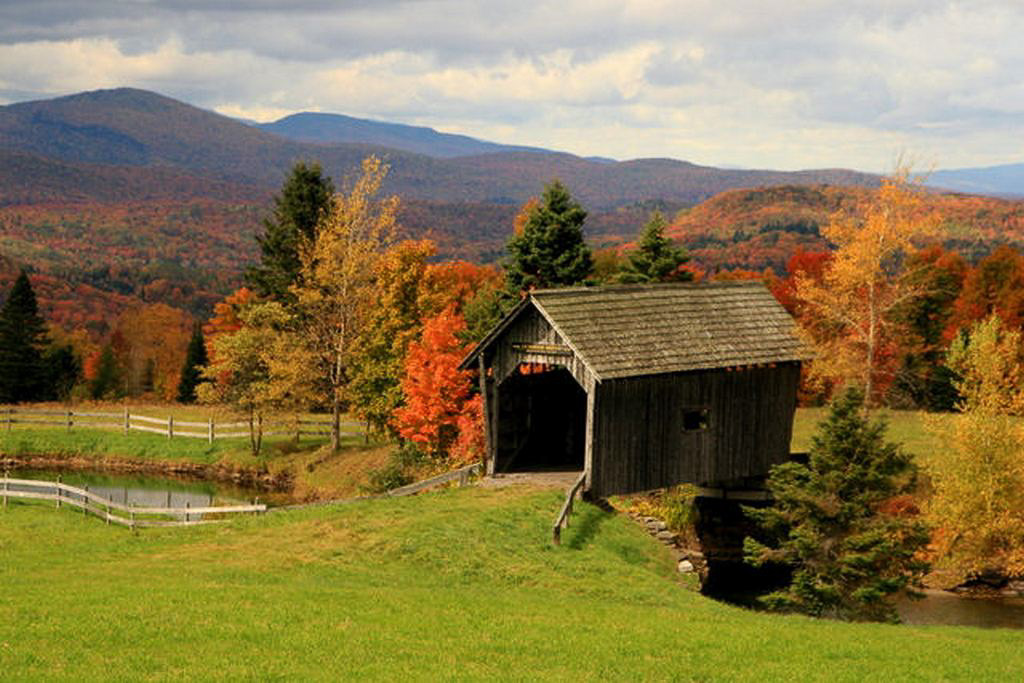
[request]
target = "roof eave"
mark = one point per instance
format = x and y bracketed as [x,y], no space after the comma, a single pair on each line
[470,359]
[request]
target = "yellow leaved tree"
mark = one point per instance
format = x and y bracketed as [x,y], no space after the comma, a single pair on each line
[978,476]
[336,291]
[850,313]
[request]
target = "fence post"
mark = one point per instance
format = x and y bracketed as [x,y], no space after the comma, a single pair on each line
[127,423]
[59,478]
[7,475]
[70,416]
[210,433]
[132,511]
[170,426]
[10,417]
[85,502]
[188,504]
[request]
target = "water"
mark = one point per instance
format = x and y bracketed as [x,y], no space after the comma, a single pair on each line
[939,607]
[149,490]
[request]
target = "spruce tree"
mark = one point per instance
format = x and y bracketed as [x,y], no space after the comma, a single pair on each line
[304,199]
[550,251]
[107,382]
[63,371]
[191,372]
[836,524]
[656,259]
[22,340]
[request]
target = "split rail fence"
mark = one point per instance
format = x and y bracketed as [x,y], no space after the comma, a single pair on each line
[562,520]
[170,426]
[131,516]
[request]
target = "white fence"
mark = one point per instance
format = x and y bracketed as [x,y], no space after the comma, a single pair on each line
[131,516]
[169,426]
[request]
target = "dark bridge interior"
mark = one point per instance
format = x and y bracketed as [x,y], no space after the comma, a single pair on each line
[542,422]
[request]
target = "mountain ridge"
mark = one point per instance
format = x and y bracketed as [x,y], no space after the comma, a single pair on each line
[143,130]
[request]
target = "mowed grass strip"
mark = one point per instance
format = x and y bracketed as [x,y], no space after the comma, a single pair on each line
[456,584]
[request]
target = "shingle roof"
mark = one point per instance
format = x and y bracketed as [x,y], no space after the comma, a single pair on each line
[629,330]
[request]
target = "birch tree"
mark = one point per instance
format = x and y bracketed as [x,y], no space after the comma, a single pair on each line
[337,291]
[852,307]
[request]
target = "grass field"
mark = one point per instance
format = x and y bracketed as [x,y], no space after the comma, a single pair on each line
[456,584]
[907,427]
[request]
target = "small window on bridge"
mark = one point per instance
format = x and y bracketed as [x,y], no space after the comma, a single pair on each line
[695,419]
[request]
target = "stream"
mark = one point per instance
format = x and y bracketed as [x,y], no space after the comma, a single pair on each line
[940,607]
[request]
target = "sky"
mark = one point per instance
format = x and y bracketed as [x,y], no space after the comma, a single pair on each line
[746,83]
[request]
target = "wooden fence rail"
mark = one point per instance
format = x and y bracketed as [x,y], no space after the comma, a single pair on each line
[563,517]
[133,516]
[169,426]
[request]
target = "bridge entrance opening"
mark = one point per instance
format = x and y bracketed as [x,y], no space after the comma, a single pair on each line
[542,421]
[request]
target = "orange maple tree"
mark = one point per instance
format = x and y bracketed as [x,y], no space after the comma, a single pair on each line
[436,391]
[225,318]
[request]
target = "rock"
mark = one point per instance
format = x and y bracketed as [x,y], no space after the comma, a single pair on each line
[657,525]
[667,536]
[685,567]
[1016,587]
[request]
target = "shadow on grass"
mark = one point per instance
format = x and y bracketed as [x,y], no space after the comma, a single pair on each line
[585,523]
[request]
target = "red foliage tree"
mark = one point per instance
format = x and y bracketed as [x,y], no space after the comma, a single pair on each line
[996,285]
[436,391]
[811,264]
[225,318]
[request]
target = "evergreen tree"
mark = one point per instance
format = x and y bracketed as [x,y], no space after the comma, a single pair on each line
[657,259]
[837,521]
[305,198]
[549,251]
[106,383]
[191,372]
[22,339]
[63,370]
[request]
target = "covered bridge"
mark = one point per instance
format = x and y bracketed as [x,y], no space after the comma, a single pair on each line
[642,386]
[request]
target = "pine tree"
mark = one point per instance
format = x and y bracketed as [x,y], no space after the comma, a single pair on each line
[191,371]
[106,379]
[304,200]
[836,523]
[63,370]
[657,259]
[22,339]
[549,251]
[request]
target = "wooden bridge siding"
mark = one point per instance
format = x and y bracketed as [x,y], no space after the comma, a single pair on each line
[640,444]
[532,328]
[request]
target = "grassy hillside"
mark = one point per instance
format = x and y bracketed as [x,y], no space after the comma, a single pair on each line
[457,584]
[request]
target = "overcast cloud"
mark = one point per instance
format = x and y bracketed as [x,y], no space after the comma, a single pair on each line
[797,84]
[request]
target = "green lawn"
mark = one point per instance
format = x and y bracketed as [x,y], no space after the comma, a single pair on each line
[456,584]
[907,427]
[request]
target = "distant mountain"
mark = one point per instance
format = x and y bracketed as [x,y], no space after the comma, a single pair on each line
[338,128]
[1006,180]
[128,129]
[116,197]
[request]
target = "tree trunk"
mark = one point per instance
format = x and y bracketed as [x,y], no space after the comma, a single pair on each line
[336,425]
[255,431]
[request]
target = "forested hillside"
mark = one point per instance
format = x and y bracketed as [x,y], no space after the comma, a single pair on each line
[761,228]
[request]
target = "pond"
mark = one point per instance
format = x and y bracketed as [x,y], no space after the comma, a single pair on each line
[153,490]
[938,607]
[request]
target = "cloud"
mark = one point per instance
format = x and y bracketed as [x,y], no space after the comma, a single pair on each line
[743,82]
